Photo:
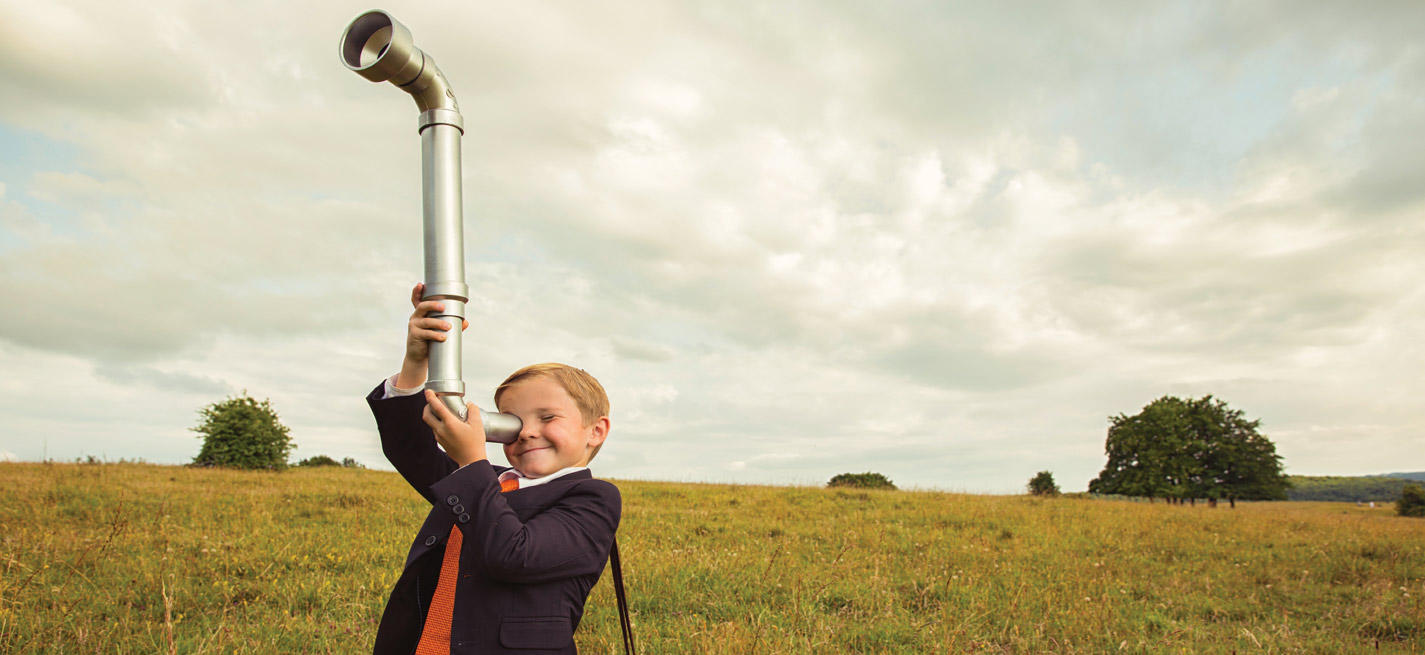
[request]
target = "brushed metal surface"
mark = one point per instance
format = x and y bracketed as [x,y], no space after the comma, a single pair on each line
[379,48]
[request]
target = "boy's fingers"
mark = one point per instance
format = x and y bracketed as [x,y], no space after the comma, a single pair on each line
[427,307]
[464,324]
[432,324]
[430,335]
[435,405]
[416,293]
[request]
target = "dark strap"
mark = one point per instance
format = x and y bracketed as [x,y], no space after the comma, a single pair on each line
[622,601]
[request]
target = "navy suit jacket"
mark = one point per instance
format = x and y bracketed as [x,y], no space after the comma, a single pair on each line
[528,558]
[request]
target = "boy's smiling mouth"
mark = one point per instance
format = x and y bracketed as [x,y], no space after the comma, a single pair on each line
[530,450]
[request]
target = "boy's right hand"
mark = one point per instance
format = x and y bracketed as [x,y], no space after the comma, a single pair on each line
[421,329]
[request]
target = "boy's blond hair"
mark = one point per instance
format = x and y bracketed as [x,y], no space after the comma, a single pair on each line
[586,391]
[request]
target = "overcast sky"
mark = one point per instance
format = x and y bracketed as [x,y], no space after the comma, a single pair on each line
[791,239]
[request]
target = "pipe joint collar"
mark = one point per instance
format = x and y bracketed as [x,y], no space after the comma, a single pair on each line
[453,290]
[439,116]
[446,387]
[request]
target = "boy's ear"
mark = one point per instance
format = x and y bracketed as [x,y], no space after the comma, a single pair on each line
[601,432]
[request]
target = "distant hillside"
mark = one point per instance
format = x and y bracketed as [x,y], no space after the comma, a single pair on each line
[1418,475]
[1350,489]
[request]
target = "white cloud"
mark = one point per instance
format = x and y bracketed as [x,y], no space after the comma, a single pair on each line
[941,243]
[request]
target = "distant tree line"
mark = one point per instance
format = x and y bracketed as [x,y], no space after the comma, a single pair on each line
[323,460]
[1359,489]
[1184,449]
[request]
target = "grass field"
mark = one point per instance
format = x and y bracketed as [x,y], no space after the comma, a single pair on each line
[125,558]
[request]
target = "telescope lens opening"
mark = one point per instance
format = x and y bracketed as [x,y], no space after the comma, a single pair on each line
[379,41]
[366,40]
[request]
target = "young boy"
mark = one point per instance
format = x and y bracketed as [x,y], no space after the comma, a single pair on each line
[507,555]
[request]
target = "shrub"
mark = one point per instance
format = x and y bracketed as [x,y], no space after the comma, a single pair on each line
[241,432]
[1042,484]
[1412,501]
[318,460]
[867,480]
[351,463]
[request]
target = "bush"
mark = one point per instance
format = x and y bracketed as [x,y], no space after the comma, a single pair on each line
[1042,484]
[867,480]
[241,432]
[1412,501]
[319,460]
[351,463]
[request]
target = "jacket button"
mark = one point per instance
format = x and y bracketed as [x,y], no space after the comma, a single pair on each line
[452,499]
[464,518]
[458,509]
[430,541]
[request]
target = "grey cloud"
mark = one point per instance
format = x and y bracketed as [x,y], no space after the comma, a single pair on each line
[642,350]
[62,56]
[149,377]
[963,366]
[1200,297]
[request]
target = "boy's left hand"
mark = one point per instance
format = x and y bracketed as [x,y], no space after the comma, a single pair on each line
[463,441]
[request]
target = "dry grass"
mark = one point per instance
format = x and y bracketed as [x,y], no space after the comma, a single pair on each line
[158,559]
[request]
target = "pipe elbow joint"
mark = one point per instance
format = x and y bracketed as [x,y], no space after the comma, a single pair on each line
[379,48]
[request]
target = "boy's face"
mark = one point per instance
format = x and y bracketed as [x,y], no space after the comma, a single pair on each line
[554,436]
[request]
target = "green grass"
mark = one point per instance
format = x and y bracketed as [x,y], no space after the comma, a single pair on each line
[157,559]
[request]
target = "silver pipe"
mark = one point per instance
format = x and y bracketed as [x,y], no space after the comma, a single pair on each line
[380,49]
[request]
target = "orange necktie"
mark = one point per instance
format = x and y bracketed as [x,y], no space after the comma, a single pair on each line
[435,636]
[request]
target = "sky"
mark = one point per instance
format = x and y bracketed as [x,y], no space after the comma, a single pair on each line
[794,239]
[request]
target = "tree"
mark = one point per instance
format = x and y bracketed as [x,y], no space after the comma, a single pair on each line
[1146,452]
[1412,501]
[1180,450]
[1042,484]
[318,460]
[241,432]
[867,480]
[1239,461]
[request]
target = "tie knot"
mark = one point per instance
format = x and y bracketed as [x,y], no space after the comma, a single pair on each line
[509,485]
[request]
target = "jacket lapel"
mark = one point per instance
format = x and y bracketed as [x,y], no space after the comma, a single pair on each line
[541,496]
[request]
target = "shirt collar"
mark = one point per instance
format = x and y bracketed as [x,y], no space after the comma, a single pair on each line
[526,481]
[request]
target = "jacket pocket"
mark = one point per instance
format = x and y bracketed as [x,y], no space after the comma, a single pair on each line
[545,632]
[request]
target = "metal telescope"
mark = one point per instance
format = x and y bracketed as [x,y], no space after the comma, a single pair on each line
[380,49]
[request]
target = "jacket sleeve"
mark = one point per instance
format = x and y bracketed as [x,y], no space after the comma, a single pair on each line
[407,441]
[572,537]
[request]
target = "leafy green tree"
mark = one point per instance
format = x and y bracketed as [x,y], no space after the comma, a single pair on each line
[351,463]
[241,432]
[1146,452]
[1412,501]
[1180,450]
[1239,461]
[867,480]
[1042,484]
